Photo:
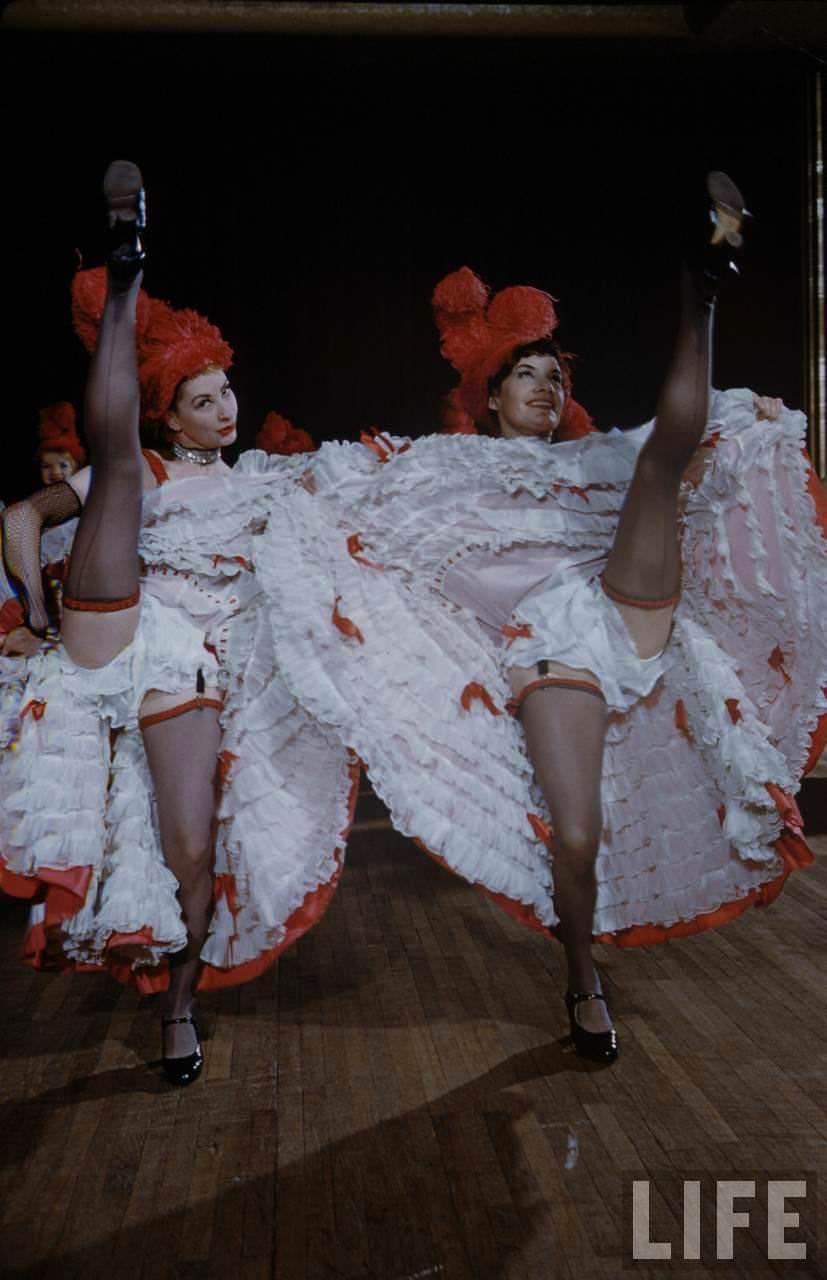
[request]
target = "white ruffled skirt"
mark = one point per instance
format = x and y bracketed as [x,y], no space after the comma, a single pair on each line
[79,834]
[706,744]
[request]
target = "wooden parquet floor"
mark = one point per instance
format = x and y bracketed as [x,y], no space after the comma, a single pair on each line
[398,1101]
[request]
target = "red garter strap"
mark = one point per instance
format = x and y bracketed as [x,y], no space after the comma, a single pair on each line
[101,606]
[194,704]
[635,602]
[514,705]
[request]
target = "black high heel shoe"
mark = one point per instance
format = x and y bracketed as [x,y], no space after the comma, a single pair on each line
[597,1046]
[182,1071]
[123,190]
[723,241]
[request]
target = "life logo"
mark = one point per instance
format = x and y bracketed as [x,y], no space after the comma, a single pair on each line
[724,1218]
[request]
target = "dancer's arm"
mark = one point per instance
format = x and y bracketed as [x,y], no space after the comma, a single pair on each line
[23,524]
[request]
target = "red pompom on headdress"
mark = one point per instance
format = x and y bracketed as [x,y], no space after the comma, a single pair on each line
[172,346]
[56,432]
[478,336]
[278,435]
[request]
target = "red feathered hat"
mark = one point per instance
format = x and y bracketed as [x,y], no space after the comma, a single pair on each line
[56,432]
[278,435]
[478,337]
[172,345]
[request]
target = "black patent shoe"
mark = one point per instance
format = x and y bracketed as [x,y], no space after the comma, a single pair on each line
[187,1069]
[597,1046]
[123,190]
[723,238]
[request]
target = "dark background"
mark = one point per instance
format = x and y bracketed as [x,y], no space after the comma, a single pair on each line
[307,194]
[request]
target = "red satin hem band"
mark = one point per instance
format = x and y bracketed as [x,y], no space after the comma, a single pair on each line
[63,893]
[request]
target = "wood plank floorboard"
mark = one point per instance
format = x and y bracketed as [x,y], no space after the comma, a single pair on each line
[398,1100]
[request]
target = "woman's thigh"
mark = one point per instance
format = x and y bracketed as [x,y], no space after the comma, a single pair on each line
[565,729]
[182,753]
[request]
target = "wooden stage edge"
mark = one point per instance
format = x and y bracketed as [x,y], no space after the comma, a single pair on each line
[397,1101]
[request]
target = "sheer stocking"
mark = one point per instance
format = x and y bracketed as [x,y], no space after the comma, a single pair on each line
[104,562]
[182,754]
[565,730]
[645,559]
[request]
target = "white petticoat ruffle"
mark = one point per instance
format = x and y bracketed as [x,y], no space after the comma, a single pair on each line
[370,645]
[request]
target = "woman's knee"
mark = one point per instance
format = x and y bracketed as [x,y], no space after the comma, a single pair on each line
[188,855]
[577,845]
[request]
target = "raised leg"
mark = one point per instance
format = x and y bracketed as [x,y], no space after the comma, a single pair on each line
[101,597]
[182,753]
[643,572]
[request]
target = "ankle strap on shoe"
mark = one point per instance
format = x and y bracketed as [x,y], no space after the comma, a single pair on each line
[168,1022]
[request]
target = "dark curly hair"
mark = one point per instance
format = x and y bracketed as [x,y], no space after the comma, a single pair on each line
[541,347]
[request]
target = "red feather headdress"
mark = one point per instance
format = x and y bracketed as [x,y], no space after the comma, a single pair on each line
[172,345]
[56,432]
[478,336]
[278,435]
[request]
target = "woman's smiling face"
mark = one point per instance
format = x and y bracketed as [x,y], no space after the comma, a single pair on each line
[205,412]
[529,401]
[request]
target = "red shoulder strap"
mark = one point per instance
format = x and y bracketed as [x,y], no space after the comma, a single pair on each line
[155,465]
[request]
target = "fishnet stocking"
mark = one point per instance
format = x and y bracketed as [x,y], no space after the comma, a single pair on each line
[22,526]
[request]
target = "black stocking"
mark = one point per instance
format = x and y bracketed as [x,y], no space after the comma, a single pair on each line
[645,559]
[182,754]
[104,563]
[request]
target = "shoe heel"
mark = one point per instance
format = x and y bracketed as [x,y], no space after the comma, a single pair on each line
[596,1046]
[123,191]
[723,241]
[182,1071]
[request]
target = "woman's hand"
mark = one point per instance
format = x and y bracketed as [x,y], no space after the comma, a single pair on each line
[19,643]
[767,408]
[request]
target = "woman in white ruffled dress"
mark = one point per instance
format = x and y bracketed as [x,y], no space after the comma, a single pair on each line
[660,720]
[170,810]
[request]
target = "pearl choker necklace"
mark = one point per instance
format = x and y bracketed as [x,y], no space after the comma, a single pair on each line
[203,457]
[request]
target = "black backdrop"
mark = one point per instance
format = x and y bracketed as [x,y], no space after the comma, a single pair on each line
[306,194]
